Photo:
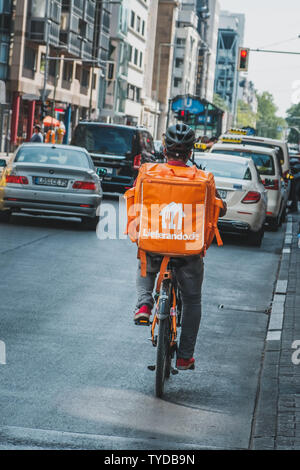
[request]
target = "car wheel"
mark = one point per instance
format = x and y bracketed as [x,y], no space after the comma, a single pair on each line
[274,224]
[90,223]
[283,216]
[5,216]
[256,238]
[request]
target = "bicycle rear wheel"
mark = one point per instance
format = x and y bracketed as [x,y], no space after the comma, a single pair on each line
[163,355]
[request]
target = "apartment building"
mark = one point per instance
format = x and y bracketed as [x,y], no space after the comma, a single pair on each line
[6,8]
[230,38]
[163,61]
[186,49]
[212,41]
[56,61]
[128,98]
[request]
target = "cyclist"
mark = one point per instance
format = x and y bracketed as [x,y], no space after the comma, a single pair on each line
[178,146]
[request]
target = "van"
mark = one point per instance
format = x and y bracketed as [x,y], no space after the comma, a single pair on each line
[118,149]
[270,172]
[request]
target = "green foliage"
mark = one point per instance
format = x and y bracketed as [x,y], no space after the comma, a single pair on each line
[219,102]
[268,123]
[293,120]
[245,116]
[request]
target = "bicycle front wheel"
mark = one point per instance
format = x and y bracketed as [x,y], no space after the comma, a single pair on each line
[163,354]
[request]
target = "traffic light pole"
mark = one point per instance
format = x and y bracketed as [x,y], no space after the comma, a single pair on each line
[274,52]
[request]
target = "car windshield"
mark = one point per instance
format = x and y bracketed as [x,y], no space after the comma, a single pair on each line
[53,156]
[225,169]
[263,162]
[104,139]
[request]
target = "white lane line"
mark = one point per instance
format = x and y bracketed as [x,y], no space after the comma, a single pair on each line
[281,287]
[274,336]
[277,312]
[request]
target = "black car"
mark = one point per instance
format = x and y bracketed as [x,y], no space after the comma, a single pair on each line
[119,149]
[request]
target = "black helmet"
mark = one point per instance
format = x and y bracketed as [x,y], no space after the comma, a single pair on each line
[179,140]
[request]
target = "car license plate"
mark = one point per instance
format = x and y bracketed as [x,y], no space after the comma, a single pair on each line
[46,181]
[109,171]
[222,193]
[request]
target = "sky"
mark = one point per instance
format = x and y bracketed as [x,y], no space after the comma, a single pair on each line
[272,24]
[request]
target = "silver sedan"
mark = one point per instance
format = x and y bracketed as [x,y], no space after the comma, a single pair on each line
[47,179]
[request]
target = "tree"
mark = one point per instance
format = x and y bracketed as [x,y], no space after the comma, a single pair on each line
[268,123]
[220,102]
[293,120]
[245,116]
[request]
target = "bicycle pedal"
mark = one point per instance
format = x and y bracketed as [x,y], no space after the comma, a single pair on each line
[152,368]
[142,322]
[174,371]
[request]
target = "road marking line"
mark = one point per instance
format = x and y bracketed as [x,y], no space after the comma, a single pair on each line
[274,336]
[285,251]
[276,322]
[281,287]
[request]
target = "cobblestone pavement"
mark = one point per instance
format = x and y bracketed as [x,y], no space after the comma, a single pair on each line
[276,423]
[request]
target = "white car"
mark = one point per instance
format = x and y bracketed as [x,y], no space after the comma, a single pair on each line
[280,146]
[270,170]
[239,184]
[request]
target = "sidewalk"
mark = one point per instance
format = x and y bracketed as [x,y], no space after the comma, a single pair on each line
[276,423]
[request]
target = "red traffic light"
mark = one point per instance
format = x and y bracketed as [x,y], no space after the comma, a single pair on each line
[243,60]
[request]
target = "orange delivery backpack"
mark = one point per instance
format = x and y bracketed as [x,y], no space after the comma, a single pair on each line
[172,211]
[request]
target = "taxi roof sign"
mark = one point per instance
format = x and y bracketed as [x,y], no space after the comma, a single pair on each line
[237,131]
[231,140]
[199,146]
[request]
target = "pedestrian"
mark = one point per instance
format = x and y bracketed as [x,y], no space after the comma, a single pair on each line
[37,136]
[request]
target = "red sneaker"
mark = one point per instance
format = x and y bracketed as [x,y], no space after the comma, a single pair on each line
[185,364]
[143,315]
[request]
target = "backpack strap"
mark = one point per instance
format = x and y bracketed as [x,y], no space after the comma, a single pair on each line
[143,259]
[163,267]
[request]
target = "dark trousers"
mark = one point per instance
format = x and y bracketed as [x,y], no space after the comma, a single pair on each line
[189,277]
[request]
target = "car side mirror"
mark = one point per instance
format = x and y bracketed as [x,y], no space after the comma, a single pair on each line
[3,163]
[101,172]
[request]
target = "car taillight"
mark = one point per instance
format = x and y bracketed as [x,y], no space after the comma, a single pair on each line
[271,184]
[137,162]
[16,179]
[251,198]
[89,185]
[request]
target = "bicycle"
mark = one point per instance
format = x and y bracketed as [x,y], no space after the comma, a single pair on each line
[167,319]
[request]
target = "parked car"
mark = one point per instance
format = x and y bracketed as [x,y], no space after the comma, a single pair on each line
[47,179]
[239,184]
[281,147]
[270,170]
[119,149]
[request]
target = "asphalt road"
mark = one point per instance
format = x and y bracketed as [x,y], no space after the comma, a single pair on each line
[76,365]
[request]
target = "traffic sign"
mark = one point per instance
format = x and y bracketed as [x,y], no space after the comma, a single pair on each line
[187,103]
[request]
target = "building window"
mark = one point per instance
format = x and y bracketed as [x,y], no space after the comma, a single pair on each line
[180,41]
[179,63]
[132,20]
[130,53]
[30,59]
[136,54]
[177,82]
[143,28]
[68,71]
[141,59]
[138,24]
